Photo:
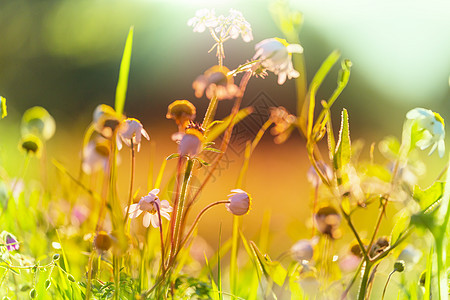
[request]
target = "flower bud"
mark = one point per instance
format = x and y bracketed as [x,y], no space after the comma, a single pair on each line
[182,111]
[191,142]
[399,266]
[240,202]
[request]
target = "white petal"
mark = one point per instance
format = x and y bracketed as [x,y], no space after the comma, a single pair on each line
[155,221]
[441,148]
[135,214]
[294,48]
[281,78]
[133,208]
[145,134]
[165,215]
[154,192]
[146,221]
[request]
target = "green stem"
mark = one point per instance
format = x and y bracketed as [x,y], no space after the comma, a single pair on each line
[210,112]
[130,196]
[442,270]
[237,220]
[386,285]
[88,286]
[364,281]
[163,267]
[180,208]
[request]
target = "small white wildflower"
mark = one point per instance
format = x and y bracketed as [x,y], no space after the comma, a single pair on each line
[234,25]
[276,56]
[131,130]
[204,18]
[240,202]
[432,125]
[149,205]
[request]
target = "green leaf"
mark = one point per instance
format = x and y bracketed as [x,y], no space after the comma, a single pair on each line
[218,129]
[202,162]
[430,196]
[122,84]
[272,269]
[172,156]
[308,106]
[401,224]
[3,110]
[212,150]
[343,151]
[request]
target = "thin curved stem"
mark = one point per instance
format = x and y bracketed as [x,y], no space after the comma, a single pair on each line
[163,266]
[130,196]
[386,285]
[197,219]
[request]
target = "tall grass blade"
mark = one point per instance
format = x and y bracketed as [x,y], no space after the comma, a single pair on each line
[122,84]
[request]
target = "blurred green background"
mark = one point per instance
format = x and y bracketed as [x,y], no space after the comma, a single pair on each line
[64,55]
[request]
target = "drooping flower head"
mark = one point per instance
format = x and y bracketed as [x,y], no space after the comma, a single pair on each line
[216,82]
[240,202]
[432,126]
[102,241]
[191,141]
[284,123]
[96,155]
[131,132]
[106,120]
[328,220]
[37,121]
[149,206]
[302,250]
[31,144]
[182,112]
[275,55]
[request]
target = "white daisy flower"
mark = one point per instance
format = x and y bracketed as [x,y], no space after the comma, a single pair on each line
[204,18]
[240,202]
[149,206]
[276,56]
[432,125]
[131,130]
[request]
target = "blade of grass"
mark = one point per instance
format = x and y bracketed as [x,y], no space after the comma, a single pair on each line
[122,84]
[307,113]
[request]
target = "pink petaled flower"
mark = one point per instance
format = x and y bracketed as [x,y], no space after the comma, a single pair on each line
[149,205]
[131,130]
[240,202]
